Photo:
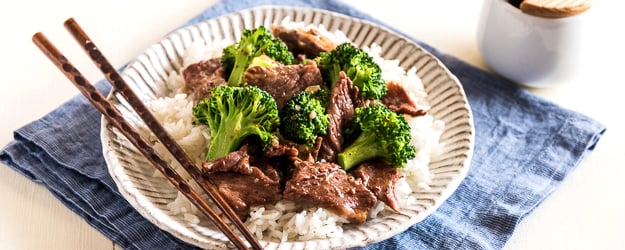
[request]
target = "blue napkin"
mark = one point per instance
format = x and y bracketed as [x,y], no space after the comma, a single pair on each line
[524,147]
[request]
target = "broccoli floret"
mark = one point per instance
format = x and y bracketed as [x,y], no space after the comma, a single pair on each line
[383,134]
[304,118]
[237,57]
[228,58]
[357,65]
[233,114]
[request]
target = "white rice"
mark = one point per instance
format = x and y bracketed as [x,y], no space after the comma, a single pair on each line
[284,220]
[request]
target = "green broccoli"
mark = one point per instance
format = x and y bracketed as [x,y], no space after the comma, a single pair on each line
[237,57]
[263,61]
[357,65]
[383,134]
[303,118]
[233,114]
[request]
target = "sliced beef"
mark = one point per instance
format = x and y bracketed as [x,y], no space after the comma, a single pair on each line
[326,185]
[270,169]
[380,178]
[303,41]
[242,185]
[341,111]
[283,82]
[281,150]
[237,161]
[243,191]
[203,76]
[281,158]
[398,100]
[317,148]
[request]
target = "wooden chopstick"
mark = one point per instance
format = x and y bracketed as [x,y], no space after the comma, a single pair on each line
[116,119]
[122,87]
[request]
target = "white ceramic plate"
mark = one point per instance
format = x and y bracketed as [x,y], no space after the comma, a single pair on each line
[150,195]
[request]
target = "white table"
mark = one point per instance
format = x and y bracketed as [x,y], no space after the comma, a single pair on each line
[585,212]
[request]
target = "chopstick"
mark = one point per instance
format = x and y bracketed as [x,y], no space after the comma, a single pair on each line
[116,119]
[122,87]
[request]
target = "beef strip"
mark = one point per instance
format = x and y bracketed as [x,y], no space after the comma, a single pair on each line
[280,157]
[281,150]
[244,191]
[203,76]
[326,185]
[242,185]
[380,178]
[283,82]
[237,161]
[303,41]
[341,111]
[316,148]
[398,100]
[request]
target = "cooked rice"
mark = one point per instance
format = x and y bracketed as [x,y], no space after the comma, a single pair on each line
[284,220]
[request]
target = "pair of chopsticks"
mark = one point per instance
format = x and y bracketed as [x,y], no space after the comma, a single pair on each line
[113,115]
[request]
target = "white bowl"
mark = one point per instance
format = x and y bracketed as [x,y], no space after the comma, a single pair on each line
[530,50]
[150,195]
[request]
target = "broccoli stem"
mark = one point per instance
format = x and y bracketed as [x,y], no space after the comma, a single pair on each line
[242,61]
[263,61]
[228,137]
[365,147]
[334,75]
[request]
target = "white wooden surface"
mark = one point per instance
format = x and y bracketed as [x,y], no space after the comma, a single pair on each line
[585,212]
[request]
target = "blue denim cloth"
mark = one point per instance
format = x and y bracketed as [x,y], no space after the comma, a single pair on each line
[524,147]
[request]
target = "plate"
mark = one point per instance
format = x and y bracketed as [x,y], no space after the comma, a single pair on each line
[149,195]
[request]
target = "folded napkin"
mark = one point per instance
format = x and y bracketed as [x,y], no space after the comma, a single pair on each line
[524,147]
